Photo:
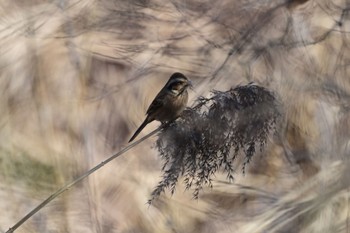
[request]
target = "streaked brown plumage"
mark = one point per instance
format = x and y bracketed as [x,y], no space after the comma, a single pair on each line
[169,103]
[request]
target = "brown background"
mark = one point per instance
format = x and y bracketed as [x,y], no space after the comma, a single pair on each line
[77,76]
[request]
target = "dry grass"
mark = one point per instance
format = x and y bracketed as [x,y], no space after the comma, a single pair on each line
[76,78]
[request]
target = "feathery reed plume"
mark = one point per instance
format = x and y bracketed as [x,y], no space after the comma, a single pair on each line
[209,136]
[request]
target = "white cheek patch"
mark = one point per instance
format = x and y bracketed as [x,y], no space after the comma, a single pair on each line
[174,91]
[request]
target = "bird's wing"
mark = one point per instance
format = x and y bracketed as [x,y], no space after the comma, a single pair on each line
[156,104]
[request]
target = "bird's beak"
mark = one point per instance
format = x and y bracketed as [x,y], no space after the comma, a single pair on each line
[190,85]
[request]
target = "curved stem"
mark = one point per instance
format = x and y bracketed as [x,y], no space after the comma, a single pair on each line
[69,185]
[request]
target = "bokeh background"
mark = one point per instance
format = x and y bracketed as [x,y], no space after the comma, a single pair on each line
[76,78]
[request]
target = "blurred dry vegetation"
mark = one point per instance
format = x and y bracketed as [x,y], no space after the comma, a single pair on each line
[77,76]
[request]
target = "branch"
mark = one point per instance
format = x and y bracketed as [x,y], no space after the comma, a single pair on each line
[86,174]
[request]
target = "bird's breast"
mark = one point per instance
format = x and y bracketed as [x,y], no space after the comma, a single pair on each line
[173,106]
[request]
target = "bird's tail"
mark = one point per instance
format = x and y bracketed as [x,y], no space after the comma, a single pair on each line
[145,122]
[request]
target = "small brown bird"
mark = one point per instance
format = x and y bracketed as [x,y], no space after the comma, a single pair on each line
[169,103]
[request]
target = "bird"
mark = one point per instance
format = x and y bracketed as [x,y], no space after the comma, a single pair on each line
[168,103]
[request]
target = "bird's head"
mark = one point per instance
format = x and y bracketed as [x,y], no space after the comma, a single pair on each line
[178,83]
